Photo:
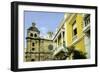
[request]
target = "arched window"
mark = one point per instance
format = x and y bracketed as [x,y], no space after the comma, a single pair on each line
[33,44]
[35,35]
[31,34]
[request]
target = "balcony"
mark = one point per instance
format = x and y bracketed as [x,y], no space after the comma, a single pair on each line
[59,49]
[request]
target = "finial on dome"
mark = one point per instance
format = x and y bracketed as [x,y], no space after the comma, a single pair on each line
[33,24]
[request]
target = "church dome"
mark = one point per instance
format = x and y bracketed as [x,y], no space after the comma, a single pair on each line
[33,28]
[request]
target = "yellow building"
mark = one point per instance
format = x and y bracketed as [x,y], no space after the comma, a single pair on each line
[74,31]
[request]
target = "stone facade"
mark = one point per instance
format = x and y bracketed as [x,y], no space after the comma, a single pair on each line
[37,47]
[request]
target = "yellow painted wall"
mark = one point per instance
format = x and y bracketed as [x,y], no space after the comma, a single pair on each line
[69,34]
[68,30]
[79,23]
[80,45]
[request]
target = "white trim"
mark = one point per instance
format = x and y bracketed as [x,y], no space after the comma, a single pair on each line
[58,30]
[77,40]
[86,28]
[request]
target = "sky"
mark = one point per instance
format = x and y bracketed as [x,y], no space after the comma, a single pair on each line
[45,21]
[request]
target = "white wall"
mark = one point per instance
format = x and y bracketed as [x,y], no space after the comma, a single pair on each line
[5,35]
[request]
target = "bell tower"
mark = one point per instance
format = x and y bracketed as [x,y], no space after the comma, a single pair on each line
[33,34]
[33,31]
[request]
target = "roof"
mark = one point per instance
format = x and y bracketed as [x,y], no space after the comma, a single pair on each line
[33,28]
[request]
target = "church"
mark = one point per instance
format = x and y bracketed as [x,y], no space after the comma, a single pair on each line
[38,48]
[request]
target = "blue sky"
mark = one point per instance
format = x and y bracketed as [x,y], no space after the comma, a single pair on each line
[45,21]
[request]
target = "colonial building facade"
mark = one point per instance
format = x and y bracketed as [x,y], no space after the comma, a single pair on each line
[73,32]
[38,49]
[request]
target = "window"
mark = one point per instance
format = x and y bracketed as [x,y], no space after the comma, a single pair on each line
[35,35]
[74,30]
[63,35]
[87,19]
[33,49]
[33,44]
[88,33]
[31,34]
[32,59]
